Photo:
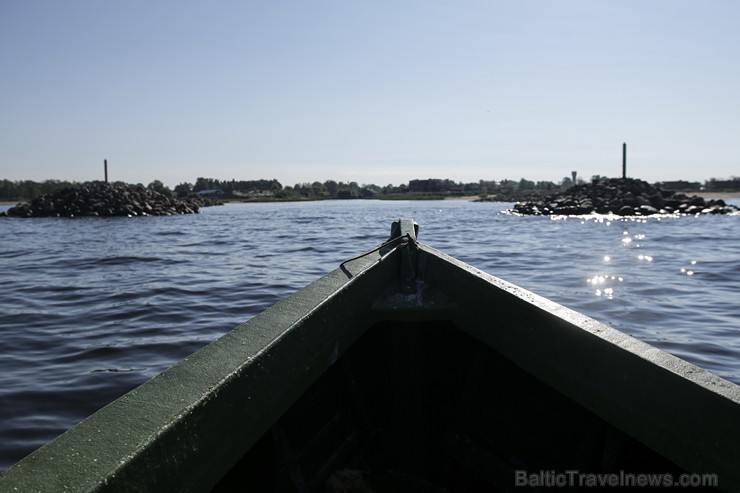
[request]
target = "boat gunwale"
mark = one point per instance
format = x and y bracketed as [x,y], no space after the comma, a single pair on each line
[692,416]
[656,356]
[108,450]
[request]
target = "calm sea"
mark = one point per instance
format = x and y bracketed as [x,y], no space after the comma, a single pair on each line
[92,307]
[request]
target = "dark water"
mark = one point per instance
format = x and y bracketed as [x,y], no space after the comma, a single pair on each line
[92,307]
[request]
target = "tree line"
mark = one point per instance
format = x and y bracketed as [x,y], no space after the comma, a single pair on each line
[330,189]
[28,190]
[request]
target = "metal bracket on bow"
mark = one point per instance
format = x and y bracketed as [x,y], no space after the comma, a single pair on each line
[407,230]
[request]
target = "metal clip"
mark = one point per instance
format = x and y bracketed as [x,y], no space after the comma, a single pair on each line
[408,229]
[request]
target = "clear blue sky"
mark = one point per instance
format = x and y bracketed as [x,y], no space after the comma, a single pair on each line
[376,91]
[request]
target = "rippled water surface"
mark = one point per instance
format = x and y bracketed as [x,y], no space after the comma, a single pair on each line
[92,307]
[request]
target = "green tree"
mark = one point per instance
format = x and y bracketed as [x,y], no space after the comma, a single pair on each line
[160,187]
[8,190]
[205,184]
[508,185]
[525,185]
[331,187]
[183,189]
[317,189]
[29,190]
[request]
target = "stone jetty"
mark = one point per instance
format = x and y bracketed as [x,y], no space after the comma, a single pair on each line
[108,199]
[623,197]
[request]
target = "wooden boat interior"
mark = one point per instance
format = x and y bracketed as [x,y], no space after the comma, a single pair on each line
[423,406]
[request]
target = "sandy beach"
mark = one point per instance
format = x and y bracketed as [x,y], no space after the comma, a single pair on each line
[718,195]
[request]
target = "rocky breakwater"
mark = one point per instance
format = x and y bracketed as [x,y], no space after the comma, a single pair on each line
[107,199]
[623,197]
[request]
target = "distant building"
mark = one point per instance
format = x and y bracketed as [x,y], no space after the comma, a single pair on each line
[434,185]
[206,193]
[723,185]
[680,185]
[428,185]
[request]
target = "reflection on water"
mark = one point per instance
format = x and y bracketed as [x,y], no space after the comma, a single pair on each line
[94,307]
[604,285]
[689,271]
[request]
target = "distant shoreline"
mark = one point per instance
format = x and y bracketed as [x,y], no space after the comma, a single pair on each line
[706,195]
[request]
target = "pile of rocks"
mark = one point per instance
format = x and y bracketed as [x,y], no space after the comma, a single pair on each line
[107,199]
[623,197]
